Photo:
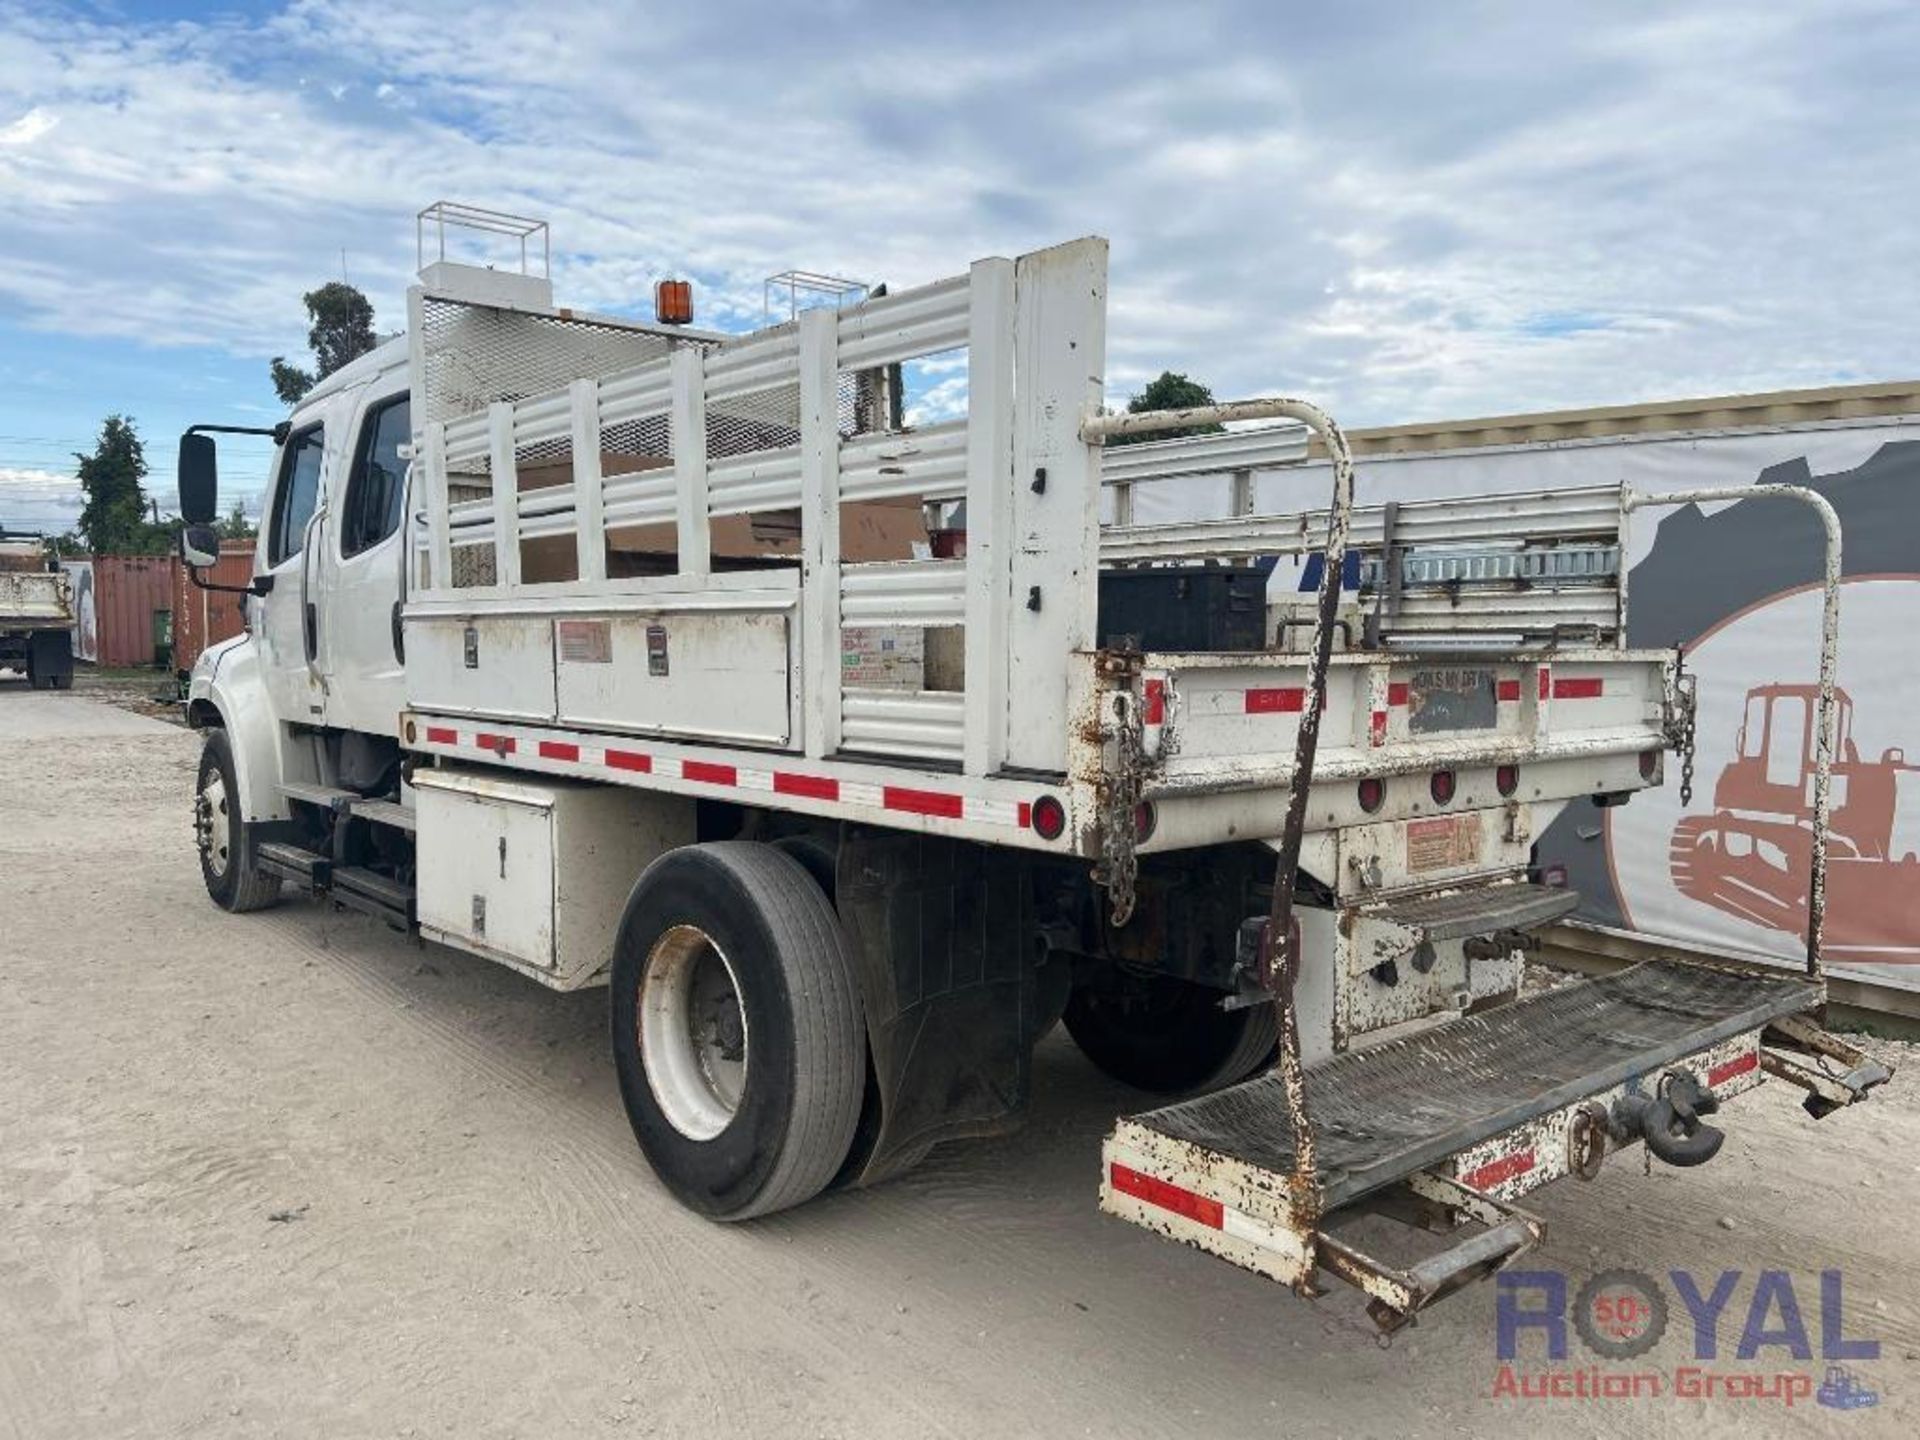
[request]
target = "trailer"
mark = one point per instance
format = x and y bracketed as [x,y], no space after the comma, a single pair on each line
[627,654]
[36,612]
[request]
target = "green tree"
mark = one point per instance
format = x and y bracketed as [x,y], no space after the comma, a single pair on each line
[1169,392]
[113,519]
[236,526]
[341,330]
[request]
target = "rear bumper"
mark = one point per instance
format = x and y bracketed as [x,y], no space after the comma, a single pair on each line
[1454,1124]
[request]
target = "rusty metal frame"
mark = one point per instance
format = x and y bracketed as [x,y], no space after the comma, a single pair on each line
[1304,1181]
[1396,1295]
[1829,736]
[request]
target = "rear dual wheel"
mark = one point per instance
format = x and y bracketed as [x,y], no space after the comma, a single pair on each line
[1168,1035]
[738,1035]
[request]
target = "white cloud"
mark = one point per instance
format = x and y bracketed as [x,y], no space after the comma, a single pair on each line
[38,500]
[1407,212]
[28,128]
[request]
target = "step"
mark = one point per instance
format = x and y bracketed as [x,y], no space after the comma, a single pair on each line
[375,894]
[1386,1113]
[291,862]
[327,797]
[384,812]
[1478,910]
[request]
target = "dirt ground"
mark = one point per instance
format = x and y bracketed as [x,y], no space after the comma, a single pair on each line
[289,1174]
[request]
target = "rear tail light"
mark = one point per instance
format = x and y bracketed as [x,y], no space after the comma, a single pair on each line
[1145,821]
[1441,787]
[1649,764]
[1373,794]
[1507,777]
[1049,818]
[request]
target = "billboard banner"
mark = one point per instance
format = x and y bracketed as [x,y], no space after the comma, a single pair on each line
[1738,585]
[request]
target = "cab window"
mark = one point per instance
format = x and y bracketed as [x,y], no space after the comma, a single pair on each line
[375,489]
[298,493]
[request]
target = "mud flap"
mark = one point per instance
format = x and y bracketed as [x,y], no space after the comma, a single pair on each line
[942,940]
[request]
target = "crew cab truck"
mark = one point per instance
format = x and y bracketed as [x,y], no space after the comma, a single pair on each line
[36,612]
[625,654]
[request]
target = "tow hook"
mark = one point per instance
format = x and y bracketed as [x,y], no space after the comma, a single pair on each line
[1670,1120]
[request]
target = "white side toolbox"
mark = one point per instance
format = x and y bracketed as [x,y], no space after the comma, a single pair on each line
[535,873]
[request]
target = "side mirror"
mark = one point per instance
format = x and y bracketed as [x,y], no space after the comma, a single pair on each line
[199,544]
[199,475]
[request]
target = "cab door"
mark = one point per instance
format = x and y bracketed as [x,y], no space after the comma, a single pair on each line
[288,624]
[358,637]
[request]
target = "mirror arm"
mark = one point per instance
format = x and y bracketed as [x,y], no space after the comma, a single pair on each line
[279,432]
[259,585]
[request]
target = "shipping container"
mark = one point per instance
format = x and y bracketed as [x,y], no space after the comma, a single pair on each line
[133,609]
[206,617]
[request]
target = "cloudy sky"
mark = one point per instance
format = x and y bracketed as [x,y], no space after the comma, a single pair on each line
[1412,211]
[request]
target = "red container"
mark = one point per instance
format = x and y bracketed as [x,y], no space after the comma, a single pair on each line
[206,617]
[129,592]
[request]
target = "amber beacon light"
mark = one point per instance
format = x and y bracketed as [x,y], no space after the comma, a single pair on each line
[673,302]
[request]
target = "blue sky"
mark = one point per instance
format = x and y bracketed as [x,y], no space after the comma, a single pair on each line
[1406,211]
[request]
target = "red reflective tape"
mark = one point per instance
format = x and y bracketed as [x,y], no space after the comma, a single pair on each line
[1509,691]
[922,802]
[1155,1191]
[815,787]
[1379,729]
[499,744]
[1498,1172]
[438,736]
[1153,710]
[1586,688]
[1023,815]
[630,760]
[1399,692]
[558,750]
[708,773]
[1728,1069]
[1284,700]
[1546,682]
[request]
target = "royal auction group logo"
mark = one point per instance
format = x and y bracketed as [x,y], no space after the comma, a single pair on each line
[1620,1316]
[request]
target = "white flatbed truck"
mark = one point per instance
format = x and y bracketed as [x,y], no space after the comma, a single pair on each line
[623,653]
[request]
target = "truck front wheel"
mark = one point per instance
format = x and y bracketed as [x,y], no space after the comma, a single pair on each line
[737,1029]
[1168,1035]
[226,859]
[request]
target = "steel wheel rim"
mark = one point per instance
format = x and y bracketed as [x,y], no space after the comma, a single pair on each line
[211,825]
[692,1031]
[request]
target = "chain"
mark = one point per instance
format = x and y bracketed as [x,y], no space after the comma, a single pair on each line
[1119,865]
[1681,724]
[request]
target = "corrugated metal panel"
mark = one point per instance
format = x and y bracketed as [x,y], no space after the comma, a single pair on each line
[129,591]
[1711,413]
[206,617]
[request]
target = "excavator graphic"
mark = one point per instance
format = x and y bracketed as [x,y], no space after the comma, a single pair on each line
[1750,856]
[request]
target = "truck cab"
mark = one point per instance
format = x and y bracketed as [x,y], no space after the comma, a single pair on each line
[330,539]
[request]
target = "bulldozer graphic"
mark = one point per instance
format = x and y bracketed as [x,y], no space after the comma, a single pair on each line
[1750,857]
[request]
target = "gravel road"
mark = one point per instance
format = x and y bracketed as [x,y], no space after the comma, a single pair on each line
[289,1174]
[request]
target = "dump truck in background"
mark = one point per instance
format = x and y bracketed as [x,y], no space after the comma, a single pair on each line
[36,612]
[621,653]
